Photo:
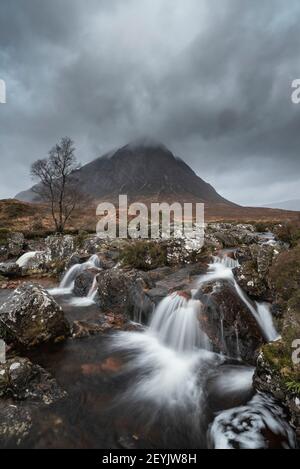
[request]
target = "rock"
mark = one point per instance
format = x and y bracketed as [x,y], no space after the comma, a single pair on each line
[252,276]
[31,316]
[3,253]
[15,244]
[10,270]
[227,235]
[84,282]
[23,387]
[15,424]
[82,329]
[278,371]
[60,247]
[92,245]
[22,380]
[34,262]
[228,322]
[123,291]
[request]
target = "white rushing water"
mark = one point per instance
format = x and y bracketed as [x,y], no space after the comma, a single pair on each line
[172,367]
[25,259]
[176,323]
[221,269]
[244,427]
[67,284]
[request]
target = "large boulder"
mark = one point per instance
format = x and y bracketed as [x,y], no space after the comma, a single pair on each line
[10,270]
[83,283]
[23,387]
[31,316]
[253,274]
[228,322]
[20,379]
[125,292]
[60,247]
[15,244]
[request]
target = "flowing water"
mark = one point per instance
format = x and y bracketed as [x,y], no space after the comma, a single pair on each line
[67,284]
[161,387]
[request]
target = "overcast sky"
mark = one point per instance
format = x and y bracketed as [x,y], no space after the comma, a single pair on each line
[209,78]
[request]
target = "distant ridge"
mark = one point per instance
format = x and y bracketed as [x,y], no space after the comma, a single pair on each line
[293,205]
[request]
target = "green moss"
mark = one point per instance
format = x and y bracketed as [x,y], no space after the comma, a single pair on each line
[293,386]
[144,255]
[285,275]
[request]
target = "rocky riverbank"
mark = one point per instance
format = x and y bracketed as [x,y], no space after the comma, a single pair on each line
[120,283]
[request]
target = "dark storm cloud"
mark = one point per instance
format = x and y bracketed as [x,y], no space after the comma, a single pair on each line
[211,79]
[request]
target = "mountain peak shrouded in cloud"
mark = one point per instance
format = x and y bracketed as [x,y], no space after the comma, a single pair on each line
[142,169]
[211,79]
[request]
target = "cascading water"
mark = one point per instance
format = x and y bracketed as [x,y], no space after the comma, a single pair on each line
[67,284]
[175,378]
[176,323]
[221,269]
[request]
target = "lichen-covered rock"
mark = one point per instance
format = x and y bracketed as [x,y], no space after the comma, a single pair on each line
[21,380]
[15,424]
[278,365]
[229,235]
[23,387]
[31,316]
[123,291]
[228,322]
[252,275]
[10,270]
[60,247]
[15,244]
[34,262]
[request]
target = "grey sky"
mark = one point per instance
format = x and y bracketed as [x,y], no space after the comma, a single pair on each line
[209,78]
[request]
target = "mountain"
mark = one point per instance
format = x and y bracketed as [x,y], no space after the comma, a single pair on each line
[287,205]
[143,169]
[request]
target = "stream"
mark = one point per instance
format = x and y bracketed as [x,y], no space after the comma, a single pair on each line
[161,387]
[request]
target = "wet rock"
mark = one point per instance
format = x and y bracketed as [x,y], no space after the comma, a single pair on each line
[228,322]
[15,424]
[278,366]
[123,291]
[22,380]
[10,270]
[82,329]
[15,244]
[31,316]
[84,282]
[60,247]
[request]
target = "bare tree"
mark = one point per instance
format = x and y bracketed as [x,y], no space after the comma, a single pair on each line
[57,183]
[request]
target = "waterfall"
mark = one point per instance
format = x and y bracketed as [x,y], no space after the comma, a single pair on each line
[221,269]
[261,313]
[176,323]
[67,284]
